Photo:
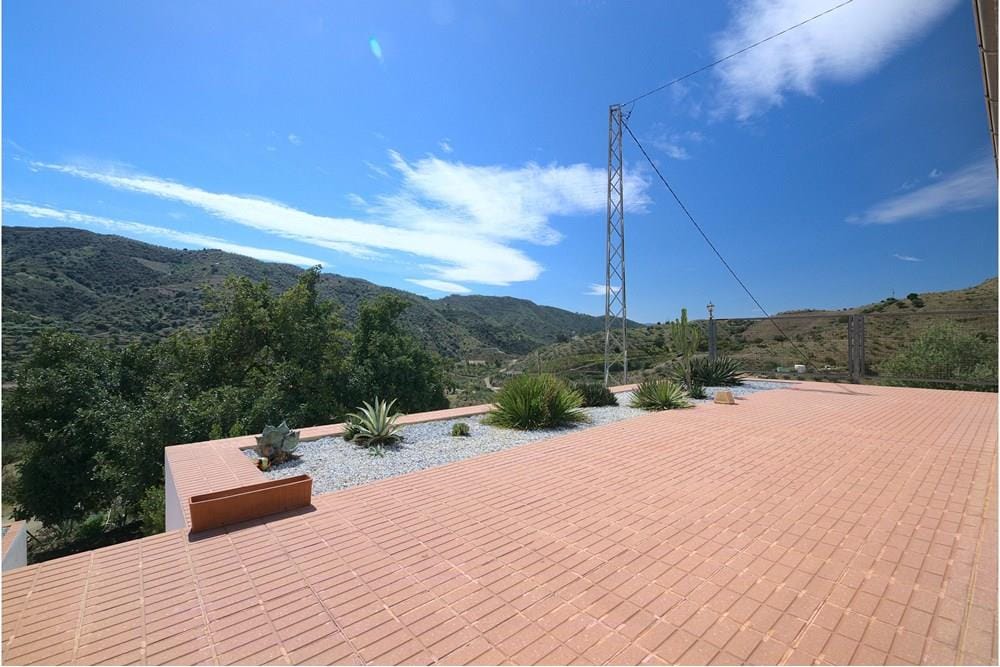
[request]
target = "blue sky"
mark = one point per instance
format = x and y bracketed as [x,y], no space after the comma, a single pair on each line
[449,146]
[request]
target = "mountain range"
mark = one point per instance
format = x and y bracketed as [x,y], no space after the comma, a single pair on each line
[121,290]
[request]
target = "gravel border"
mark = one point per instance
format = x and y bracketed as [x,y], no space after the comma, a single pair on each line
[335,464]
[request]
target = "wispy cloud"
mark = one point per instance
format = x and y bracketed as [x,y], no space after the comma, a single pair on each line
[969,188]
[906,258]
[440,285]
[673,143]
[463,219]
[445,146]
[597,289]
[935,173]
[841,47]
[151,231]
[295,139]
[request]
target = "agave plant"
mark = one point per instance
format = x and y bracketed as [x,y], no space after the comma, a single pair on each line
[723,372]
[277,443]
[697,391]
[376,426]
[529,402]
[350,429]
[659,395]
[595,394]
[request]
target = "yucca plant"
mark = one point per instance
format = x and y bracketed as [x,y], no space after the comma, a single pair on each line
[697,391]
[529,402]
[595,394]
[376,426]
[723,372]
[659,395]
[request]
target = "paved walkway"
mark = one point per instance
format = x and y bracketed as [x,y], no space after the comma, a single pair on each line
[817,524]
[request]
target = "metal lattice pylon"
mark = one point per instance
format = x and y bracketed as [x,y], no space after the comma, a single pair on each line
[615,312]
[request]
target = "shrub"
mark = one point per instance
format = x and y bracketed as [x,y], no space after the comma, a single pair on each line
[530,402]
[460,429]
[697,391]
[723,372]
[659,395]
[943,352]
[376,426]
[594,394]
[151,511]
[350,429]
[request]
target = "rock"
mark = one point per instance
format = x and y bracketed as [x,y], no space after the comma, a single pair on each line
[725,397]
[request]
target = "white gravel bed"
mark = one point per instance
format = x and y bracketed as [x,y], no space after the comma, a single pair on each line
[335,464]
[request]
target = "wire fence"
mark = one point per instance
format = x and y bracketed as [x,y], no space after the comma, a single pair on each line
[949,349]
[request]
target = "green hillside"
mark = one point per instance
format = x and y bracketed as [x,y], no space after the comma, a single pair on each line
[121,290]
[817,338]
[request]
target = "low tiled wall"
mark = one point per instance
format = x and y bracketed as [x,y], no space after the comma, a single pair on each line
[220,465]
[15,546]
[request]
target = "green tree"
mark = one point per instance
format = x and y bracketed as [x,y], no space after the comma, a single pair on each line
[65,398]
[388,363]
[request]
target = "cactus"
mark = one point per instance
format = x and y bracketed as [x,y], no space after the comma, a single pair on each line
[277,443]
[684,338]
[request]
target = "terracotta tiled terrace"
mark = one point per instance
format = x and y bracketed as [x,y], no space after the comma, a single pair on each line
[820,523]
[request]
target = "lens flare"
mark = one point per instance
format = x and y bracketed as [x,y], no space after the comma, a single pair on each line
[376,48]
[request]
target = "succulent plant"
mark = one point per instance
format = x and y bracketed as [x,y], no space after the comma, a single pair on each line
[376,426]
[659,395]
[350,429]
[459,429]
[277,443]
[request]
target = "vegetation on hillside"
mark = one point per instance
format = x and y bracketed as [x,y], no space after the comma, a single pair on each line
[121,291]
[93,419]
[757,347]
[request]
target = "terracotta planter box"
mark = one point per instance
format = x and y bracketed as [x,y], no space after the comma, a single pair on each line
[223,508]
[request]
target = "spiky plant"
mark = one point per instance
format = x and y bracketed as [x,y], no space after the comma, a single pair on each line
[376,426]
[350,429]
[697,391]
[595,394]
[460,429]
[277,443]
[529,402]
[723,372]
[659,395]
[684,339]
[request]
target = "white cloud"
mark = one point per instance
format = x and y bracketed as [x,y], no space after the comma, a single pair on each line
[462,218]
[672,143]
[935,173]
[446,146]
[906,258]
[295,139]
[139,229]
[597,289]
[440,285]
[840,47]
[972,187]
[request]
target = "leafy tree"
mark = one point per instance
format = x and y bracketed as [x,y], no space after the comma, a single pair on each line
[388,363]
[94,420]
[64,401]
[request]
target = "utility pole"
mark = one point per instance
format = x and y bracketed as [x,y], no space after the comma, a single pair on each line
[615,312]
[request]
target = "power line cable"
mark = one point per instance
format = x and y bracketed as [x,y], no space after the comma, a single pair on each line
[735,53]
[710,244]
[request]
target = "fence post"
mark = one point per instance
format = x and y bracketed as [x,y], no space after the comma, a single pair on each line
[711,339]
[856,347]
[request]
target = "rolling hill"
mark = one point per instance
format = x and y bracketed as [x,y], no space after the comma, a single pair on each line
[120,290]
[817,338]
